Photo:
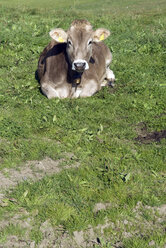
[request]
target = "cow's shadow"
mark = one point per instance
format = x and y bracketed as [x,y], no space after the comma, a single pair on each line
[37,76]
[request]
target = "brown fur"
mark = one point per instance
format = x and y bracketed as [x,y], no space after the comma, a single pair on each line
[81,24]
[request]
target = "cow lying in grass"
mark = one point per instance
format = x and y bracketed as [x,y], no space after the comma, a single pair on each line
[75,63]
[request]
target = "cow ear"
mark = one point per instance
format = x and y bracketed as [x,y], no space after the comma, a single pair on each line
[100,34]
[59,35]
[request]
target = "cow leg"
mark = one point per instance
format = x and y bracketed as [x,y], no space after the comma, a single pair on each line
[49,91]
[75,93]
[90,88]
[110,77]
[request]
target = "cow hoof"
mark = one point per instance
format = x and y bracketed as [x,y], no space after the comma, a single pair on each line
[104,83]
[111,84]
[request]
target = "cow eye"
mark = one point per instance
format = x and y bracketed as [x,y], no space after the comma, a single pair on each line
[69,43]
[89,42]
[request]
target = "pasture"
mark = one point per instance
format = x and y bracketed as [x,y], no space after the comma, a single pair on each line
[84,172]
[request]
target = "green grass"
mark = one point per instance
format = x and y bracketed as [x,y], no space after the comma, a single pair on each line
[13,230]
[100,131]
[91,6]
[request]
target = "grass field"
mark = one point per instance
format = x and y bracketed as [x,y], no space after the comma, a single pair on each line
[84,172]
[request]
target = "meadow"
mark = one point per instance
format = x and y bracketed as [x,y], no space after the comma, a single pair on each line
[83,172]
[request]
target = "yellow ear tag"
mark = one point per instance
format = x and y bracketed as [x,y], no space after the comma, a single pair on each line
[102,37]
[60,39]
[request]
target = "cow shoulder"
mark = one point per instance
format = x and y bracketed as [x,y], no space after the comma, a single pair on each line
[52,62]
[53,50]
[101,53]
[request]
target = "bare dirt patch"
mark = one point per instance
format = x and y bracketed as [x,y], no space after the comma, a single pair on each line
[15,242]
[146,137]
[124,228]
[101,206]
[32,170]
[22,220]
[55,237]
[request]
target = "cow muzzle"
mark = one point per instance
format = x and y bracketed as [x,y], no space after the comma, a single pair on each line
[80,65]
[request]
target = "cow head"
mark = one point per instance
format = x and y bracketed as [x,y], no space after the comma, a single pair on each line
[79,38]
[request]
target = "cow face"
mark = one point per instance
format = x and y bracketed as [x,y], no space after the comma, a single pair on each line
[79,38]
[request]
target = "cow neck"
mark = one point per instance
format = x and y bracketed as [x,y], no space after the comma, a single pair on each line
[73,77]
[76,77]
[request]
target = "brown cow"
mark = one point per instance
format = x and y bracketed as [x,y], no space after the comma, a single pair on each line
[75,63]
